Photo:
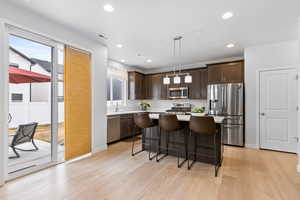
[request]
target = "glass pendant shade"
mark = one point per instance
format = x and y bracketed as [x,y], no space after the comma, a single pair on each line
[188,79]
[176,79]
[166,80]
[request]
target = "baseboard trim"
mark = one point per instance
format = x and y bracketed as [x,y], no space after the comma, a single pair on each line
[79,158]
[252,146]
[99,148]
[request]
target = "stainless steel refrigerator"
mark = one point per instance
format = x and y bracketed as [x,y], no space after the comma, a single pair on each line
[228,100]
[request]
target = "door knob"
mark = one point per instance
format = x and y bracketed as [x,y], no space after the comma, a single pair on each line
[262,114]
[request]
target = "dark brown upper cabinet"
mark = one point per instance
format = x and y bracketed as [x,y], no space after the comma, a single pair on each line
[154,87]
[204,83]
[148,87]
[164,88]
[198,87]
[136,86]
[230,72]
[151,86]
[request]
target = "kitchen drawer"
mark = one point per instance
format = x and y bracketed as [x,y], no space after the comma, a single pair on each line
[233,134]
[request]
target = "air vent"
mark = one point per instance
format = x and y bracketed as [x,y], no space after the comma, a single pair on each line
[103,36]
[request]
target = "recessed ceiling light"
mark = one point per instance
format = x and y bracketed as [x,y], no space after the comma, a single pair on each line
[108,8]
[123,60]
[119,46]
[230,45]
[149,61]
[227,15]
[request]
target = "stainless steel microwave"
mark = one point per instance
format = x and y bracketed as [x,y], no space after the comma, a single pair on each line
[178,93]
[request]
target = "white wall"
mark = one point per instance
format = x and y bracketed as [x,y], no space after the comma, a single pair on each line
[3,102]
[299,93]
[279,55]
[189,66]
[23,113]
[43,26]
[40,92]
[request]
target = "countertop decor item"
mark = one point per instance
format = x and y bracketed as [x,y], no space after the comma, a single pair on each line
[198,112]
[145,105]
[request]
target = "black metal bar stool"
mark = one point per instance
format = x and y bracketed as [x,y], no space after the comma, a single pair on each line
[143,121]
[169,124]
[203,126]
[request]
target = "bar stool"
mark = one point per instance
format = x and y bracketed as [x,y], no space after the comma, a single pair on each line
[203,126]
[169,124]
[143,121]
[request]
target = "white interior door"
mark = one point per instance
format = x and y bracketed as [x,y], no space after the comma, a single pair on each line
[278,110]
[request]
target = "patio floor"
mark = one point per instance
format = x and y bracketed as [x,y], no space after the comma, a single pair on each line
[34,158]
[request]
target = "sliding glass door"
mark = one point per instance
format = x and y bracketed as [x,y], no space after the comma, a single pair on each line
[36,102]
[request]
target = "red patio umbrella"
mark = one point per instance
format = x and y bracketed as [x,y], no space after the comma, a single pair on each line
[17,76]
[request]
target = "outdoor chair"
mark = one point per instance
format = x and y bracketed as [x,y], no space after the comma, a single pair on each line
[25,133]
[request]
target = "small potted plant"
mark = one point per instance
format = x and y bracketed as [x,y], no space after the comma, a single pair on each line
[145,106]
[198,112]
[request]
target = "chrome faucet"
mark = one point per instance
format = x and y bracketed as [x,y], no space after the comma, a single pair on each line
[117,107]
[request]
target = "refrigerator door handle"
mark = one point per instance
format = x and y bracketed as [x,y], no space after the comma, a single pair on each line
[232,126]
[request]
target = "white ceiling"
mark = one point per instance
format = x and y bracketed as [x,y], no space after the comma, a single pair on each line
[147,27]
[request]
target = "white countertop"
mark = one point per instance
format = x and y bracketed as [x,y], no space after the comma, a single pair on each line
[133,111]
[186,118]
[124,112]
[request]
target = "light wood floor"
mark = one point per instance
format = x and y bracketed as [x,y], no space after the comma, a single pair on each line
[246,174]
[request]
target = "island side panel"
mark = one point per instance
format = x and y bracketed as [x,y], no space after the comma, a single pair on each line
[205,144]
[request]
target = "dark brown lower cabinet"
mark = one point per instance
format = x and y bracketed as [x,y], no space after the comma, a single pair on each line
[127,125]
[120,127]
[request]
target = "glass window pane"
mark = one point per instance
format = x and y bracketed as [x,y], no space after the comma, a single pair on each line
[26,57]
[117,89]
[61,104]
[108,89]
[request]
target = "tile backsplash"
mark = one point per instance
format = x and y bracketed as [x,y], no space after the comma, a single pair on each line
[167,104]
[158,105]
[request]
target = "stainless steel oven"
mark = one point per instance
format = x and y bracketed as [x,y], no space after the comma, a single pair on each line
[178,93]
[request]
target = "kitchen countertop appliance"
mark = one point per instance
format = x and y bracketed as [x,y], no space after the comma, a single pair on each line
[228,100]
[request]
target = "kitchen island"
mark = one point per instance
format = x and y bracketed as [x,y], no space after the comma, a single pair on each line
[205,143]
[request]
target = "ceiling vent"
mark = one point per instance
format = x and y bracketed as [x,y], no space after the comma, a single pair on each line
[103,36]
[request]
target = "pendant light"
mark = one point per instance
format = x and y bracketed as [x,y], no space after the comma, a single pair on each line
[176,78]
[166,80]
[188,78]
